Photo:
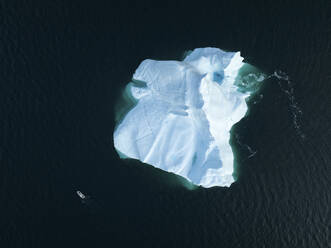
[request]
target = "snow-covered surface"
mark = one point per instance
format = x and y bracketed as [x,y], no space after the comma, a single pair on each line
[184,114]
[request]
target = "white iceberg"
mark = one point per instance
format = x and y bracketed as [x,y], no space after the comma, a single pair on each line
[183,116]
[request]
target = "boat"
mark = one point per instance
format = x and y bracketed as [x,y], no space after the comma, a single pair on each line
[80,194]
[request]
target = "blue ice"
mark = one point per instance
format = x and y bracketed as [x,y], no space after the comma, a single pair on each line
[183,116]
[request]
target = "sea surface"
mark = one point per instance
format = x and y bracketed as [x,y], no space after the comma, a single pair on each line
[63,65]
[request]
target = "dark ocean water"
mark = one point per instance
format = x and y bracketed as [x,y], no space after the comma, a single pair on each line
[63,65]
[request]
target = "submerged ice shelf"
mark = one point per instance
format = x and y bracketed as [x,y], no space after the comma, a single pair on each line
[183,114]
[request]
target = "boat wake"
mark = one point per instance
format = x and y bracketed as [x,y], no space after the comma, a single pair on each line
[287,88]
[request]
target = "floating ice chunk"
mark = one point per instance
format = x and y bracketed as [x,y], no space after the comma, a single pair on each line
[183,116]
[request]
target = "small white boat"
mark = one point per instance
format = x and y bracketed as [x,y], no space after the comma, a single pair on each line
[80,194]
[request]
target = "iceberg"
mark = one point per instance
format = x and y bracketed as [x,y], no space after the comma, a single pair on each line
[182,115]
